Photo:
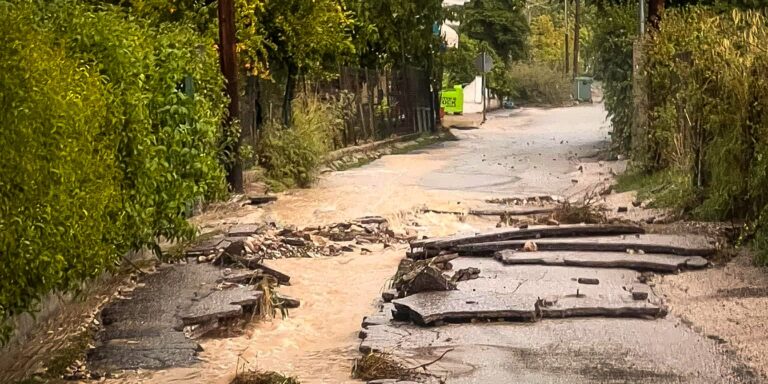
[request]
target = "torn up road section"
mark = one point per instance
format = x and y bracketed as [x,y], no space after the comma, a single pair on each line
[536,307]
[225,280]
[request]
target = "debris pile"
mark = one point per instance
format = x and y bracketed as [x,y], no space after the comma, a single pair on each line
[272,242]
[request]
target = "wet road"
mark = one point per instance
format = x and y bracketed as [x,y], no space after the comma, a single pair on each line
[521,152]
[524,152]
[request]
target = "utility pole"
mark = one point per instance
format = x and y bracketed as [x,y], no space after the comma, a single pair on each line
[565,18]
[576,27]
[482,88]
[642,17]
[228,62]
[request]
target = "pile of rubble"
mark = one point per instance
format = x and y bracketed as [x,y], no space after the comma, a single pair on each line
[273,242]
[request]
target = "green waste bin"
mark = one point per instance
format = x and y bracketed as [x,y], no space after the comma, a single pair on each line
[452,100]
[582,88]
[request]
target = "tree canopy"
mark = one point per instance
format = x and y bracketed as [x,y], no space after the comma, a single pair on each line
[500,23]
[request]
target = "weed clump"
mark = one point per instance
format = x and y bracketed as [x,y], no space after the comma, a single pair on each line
[378,365]
[588,211]
[291,156]
[253,377]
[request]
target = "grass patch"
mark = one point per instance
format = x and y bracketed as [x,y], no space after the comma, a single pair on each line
[63,358]
[666,189]
[264,378]
[377,365]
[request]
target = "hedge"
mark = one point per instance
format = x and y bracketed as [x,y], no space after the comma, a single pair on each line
[103,149]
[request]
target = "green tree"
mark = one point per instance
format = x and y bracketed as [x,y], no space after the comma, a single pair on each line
[308,37]
[459,62]
[547,42]
[500,23]
[396,32]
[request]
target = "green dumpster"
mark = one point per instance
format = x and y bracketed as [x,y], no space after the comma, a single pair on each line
[582,88]
[452,100]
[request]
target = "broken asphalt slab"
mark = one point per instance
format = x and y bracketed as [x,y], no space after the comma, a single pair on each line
[512,293]
[567,351]
[432,246]
[218,305]
[688,245]
[456,306]
[144,329]
[635,261]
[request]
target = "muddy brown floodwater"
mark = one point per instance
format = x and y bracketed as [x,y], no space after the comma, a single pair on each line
[525,152]
[318,341]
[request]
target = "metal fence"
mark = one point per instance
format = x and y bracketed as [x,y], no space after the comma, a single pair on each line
[378,103]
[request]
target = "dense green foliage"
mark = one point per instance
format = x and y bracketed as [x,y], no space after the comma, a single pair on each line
[614,35]
[547,41]
[539,84]
[103,152]
[395,32]
[500,23]
[708,120]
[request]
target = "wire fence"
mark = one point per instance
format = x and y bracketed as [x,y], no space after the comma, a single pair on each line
[378,104]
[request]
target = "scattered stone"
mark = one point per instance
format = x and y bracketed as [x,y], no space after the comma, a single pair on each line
[262,199]
[588,281]
[530,246]
[234,250]
[423,277]
[288,301]
[388,295]
[202,259]
[639,295]
[551,221]
[197,331]
[243,230]
[465,274]
[295,241]
[645,277]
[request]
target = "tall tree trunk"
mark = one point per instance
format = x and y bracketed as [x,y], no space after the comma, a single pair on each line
[228,62]
[576,27]
[290,90]
[655,7]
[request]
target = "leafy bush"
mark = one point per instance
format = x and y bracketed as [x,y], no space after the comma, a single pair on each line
[708,119]
[58,182]
[539,84]
[291,156]
[103,152]
[612,41]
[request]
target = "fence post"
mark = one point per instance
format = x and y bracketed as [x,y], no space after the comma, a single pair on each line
[640,99]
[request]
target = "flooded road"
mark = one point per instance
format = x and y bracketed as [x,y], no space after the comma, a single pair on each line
[525,152]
